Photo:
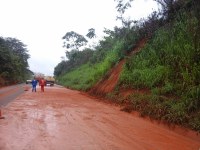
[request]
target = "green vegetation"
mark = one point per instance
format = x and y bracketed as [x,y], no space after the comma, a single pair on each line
[168,67]
[85,76]
[13,61]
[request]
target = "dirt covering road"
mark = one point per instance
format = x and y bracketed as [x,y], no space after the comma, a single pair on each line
[63,119]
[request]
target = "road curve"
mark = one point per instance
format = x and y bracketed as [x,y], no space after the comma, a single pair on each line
[63,119]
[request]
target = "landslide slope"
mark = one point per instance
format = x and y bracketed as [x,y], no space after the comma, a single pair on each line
[109,81]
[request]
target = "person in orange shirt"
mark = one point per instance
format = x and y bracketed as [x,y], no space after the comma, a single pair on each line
[42,84]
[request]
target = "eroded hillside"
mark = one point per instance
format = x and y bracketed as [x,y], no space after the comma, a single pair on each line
[110,80]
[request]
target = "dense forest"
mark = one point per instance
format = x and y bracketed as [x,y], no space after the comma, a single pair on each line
[168,67]
[13,61]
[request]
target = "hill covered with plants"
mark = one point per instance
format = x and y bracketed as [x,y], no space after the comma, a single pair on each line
[163,78]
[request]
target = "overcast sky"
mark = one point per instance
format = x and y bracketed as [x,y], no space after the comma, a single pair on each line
[41,24]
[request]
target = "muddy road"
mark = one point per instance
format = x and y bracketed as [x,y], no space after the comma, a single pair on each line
[63,119]
[9,93]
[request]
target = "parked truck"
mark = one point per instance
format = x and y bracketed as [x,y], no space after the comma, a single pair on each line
[49,80]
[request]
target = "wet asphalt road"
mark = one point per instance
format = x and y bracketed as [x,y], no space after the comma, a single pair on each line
[10,93]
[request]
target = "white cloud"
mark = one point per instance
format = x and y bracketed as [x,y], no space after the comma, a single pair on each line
[41,24]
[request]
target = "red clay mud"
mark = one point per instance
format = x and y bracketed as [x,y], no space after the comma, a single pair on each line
[63,119]
[108,83]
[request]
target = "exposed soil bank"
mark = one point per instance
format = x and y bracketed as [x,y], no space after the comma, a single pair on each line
[61,119]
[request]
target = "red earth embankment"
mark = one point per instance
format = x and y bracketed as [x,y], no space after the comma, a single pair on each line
[108,83]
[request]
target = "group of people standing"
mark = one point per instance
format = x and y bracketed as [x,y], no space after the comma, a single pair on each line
[41,83]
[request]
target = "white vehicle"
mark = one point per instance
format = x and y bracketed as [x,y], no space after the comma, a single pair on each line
[28,81]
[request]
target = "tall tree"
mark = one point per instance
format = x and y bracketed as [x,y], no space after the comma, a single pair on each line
[91,33]
[19,49]
[20,56]
[74,40]
[13,60]
[121,7]
[169,7]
